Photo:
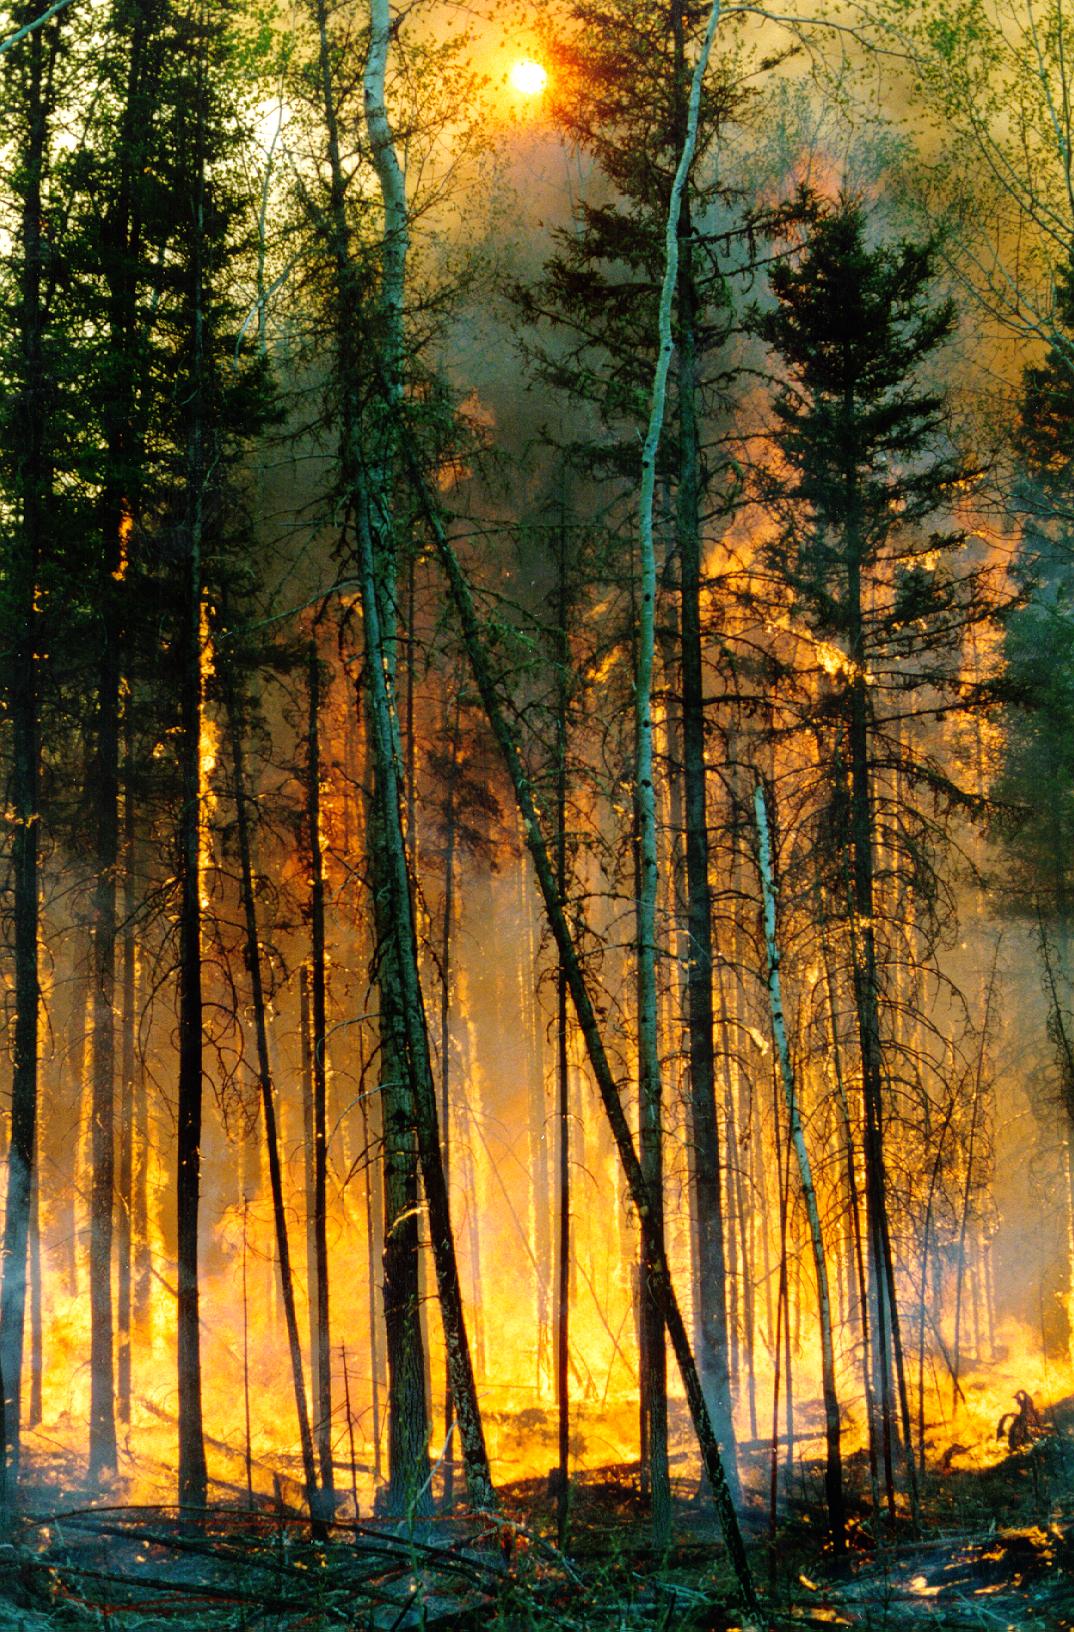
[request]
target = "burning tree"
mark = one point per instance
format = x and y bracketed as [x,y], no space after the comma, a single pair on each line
[884,588]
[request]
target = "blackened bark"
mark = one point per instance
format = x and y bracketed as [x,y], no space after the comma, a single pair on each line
[33,482]
[102,1426]
[122,240]
[37,1357]
[321,1358]
[193,1476]
[563,1085]
[408,1450]
[891,1382]
[127,1117]
[268,1100]
[446,947]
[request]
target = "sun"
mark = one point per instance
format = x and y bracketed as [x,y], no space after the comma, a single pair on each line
[528,77]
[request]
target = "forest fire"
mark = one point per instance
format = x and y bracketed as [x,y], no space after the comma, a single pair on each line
[536,712]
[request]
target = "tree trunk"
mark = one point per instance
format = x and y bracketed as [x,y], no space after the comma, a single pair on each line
[833,1477]
[34,1407]
[422,1107]
[446,931]
[26,552]
[713,1349]
[105,783]
[268,1101]
[127,1118]
[321,1353]
[867,1002]
[563,1084]
[124,435]
[193,1476]
[857,1272]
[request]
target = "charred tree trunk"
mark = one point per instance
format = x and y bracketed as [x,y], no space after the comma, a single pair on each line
[123,436]
[29,535]
[887,1336]
[400,945]
[127,1134]
[446,933]
[193,1476]
[37,1357]
[321,1353]
[102,1426]
[563,1084]
[268,1099]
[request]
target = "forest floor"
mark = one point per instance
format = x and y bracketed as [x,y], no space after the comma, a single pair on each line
[993,1549]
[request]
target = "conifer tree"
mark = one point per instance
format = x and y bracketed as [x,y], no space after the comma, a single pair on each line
[883,585]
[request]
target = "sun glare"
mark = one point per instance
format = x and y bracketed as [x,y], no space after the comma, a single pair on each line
[528,77]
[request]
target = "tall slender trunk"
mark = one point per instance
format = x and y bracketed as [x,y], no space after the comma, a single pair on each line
[268,1098]
[34,1409]
[373,1213]
[446,947]
[127,1129]
[887,1348]
[102,1425]
[713,1347]
[833,1476]
[650,1084]
[563,1086]
[193,1475]
[321,1354]
[655,1478]
[967,1189]
[124,434]
[26,552]
[857,1271]
[887,1344]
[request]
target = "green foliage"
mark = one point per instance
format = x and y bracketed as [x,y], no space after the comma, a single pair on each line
[870,474]
[619,87]
[1036,780]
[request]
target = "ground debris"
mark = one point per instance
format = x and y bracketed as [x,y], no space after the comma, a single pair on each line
[998,1578]
[154,1567]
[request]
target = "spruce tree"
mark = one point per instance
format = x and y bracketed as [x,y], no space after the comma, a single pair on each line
[883,589]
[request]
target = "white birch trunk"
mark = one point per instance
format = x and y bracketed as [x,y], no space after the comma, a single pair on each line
[834,1473]
[649,1076]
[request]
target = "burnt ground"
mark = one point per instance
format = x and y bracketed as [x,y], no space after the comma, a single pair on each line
[993,1550]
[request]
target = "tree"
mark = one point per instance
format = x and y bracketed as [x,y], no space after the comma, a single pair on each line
[880,582]
[29,476]
[1034,787]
